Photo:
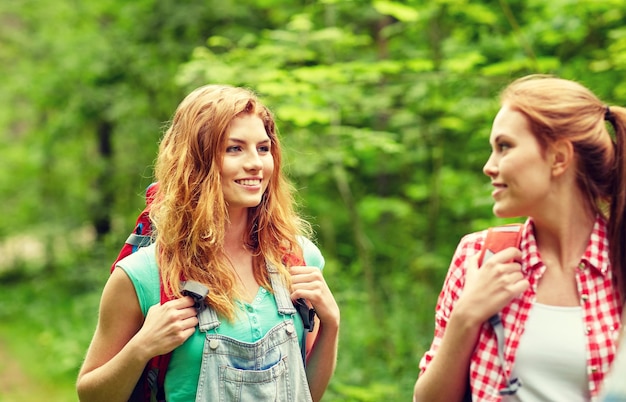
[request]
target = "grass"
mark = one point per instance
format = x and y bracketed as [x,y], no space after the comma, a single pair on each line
[25,372]
[46,325]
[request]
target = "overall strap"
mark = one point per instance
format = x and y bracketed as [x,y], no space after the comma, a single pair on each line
[281,294]
[207,319]
[284,303]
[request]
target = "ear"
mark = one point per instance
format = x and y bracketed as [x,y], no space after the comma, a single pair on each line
[562,156]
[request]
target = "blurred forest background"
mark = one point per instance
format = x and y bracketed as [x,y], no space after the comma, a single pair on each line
[384,108]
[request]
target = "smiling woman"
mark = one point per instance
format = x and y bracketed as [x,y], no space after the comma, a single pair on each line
[224,218]
[559,296]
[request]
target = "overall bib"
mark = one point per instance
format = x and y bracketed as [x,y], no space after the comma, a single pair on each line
[270,369]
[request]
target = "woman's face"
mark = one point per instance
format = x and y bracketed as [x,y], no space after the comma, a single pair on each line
[247,165]
[518,167]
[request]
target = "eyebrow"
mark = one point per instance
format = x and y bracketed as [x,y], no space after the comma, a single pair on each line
[240,141]
[498,137]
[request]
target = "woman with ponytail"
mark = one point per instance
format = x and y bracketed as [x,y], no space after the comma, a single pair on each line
[558,159]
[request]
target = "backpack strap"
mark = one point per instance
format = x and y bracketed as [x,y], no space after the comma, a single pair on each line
[498,238]
[138,240]
[141,236]
[157,366]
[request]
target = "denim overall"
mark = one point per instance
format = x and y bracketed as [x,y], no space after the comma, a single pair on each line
[269,369]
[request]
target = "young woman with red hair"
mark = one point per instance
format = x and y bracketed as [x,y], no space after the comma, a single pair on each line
[224,217]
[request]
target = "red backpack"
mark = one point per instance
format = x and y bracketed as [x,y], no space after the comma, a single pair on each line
[150,387]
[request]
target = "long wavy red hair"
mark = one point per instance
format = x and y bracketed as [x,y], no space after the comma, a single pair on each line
[189,211]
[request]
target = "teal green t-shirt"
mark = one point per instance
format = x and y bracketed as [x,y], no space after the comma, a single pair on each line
[253,321]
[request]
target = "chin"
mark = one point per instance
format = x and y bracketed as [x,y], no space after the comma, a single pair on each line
[502,212]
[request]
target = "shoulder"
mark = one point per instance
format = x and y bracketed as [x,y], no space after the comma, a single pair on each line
[141,268]
[141,262]
[142,254]
[470,244]
[312,254]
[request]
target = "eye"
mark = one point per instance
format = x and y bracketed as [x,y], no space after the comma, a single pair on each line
[264,149]
[233,149]
[503,146]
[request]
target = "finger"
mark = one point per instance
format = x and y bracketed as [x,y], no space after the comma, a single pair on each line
[303,270]
[519,287]
[180,303]
[190,322]
[313,292]
[515,276]
[304,282]
[189,312]
[311,284]
[507,255]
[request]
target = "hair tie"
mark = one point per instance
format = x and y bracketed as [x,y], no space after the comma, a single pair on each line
[608,116]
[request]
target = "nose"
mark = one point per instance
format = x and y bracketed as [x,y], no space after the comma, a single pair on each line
[490,169]
[253,161]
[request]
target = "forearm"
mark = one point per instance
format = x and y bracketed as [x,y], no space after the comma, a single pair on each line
[114,380]
[322,359]
[447,375]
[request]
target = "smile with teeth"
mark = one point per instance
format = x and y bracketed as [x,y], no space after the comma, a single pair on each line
[249,182]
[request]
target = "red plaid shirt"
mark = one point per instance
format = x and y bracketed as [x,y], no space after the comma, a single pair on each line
[598,298]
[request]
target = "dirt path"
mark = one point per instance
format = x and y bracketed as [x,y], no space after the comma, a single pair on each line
[16,385]
[13,380]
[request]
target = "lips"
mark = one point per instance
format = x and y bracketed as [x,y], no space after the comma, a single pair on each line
[497,188]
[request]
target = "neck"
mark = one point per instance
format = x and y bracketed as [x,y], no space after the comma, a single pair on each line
[235,229]
[563,239]
[239,255]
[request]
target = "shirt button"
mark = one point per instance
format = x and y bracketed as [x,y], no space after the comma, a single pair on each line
[263,290]
[249,308]
[587,330]
[584,297]
[581,266]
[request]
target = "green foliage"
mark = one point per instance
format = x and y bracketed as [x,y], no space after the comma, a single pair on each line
[384,109]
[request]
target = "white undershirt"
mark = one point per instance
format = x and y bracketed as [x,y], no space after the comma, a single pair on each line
[551,358]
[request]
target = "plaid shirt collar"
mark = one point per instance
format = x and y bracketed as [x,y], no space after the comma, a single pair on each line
[596,254]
